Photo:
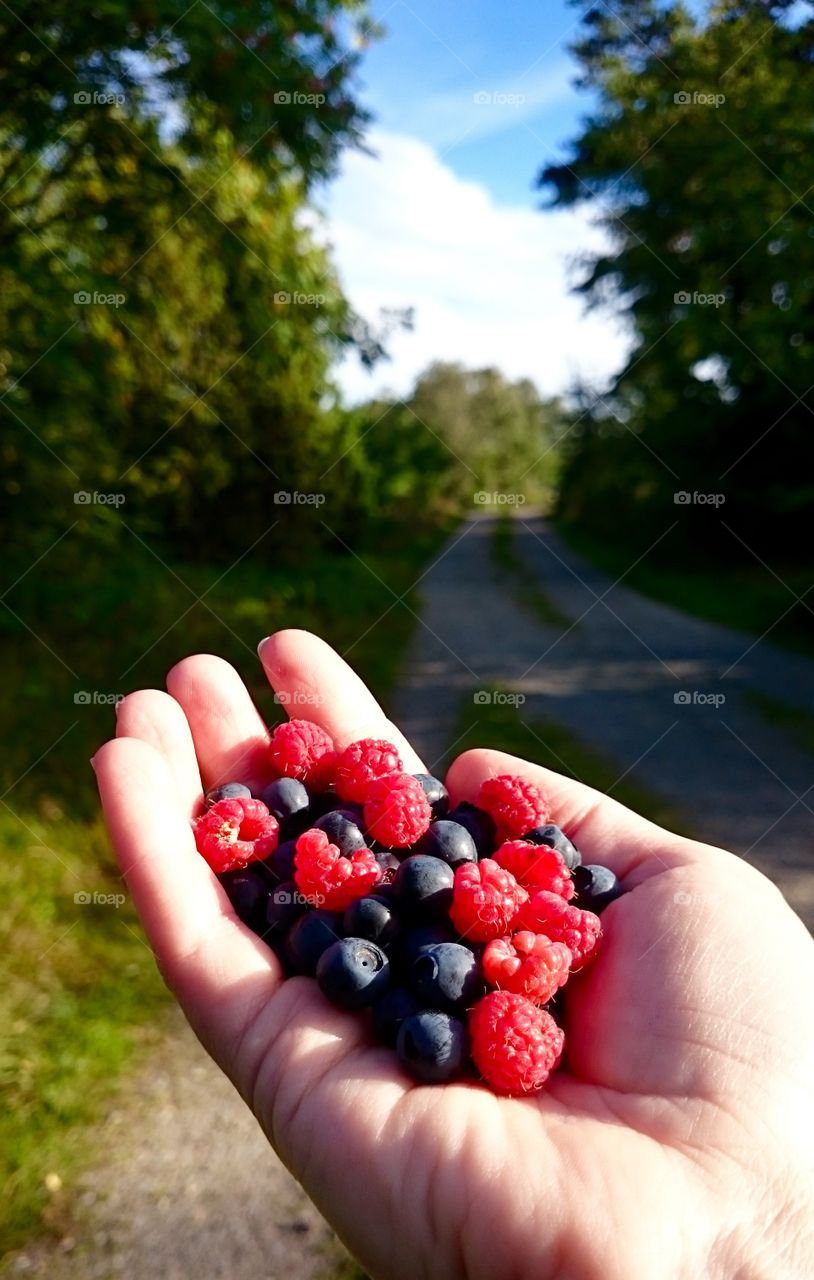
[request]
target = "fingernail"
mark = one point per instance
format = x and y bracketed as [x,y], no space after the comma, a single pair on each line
[93,763]
[261,646]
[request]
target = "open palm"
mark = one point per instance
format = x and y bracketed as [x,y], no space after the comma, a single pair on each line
[674,1141]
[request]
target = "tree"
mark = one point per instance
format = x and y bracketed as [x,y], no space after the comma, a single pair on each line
[696,161]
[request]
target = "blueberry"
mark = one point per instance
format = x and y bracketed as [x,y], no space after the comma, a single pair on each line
[279,865]
[436,793]
[479,825]
[596,887]
[556,839]
[389,864]
[424,886]
[389,1013]
[285,797]
[227,791]
[446,976]
[448,841]
[285,903]
[373,918]
[343,830]
[353,973]
[417,940]
[309,936]
[248,893]
[432,1046]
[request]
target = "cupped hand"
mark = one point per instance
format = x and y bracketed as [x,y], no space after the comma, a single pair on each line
[674,1141]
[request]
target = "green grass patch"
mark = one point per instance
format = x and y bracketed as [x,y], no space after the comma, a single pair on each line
[527,589]
[504,727]
[81,996]
[749,599]
[798,724]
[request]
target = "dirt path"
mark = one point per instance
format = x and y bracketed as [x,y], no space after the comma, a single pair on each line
[612,678]
[189,1189]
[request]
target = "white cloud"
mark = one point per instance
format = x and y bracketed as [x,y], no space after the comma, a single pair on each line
[489,282]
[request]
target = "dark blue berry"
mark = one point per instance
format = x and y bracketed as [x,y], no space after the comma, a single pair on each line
[596,887]
[279,865]
[248,893]
[227,791]
[479,825]
[284,797]
[285,904]
[432,1046]
[309,936]
[353,973]
[343,830]
[389,864]
[373,918]
[446,976]
[555,838]
[424,886]
[389,1013]
[448,841]
[436,793]
[417,940]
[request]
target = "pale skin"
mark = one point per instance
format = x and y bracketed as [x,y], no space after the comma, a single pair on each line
[675,1142]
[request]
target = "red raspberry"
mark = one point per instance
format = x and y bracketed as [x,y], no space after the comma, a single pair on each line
[234,832]
[515,805]
[321,777]
[362,763]
[298,747]
[328,879]
[397,811]
[536,866]
[529,964]
[515,1044]
[485,900]
[550,914]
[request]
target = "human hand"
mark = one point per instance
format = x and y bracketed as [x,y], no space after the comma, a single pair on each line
[675,1140]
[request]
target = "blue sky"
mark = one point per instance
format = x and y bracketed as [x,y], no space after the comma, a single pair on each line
[468,103]
[423,77]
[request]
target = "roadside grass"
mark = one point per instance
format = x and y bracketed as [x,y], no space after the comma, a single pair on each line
[752,600]
[528,592]
[81,999]
[545,742]
[798,724]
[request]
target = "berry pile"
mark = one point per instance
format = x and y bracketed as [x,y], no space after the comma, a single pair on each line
[455,928]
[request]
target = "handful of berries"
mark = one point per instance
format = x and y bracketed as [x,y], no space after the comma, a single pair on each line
[456,928]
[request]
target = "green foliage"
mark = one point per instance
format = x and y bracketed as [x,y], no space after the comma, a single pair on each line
[696,157]
[81,994]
